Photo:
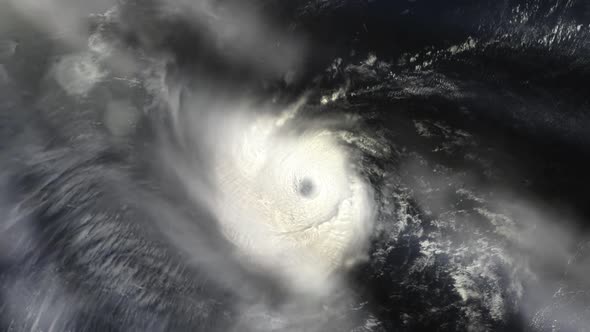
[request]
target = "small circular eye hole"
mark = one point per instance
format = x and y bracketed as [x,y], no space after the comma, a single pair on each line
[305,187]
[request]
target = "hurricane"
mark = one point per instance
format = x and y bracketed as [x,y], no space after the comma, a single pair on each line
[325,165]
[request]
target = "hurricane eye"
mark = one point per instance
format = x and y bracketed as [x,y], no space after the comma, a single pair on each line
[306,188]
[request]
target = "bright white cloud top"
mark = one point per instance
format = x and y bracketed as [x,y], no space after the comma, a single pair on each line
[291,202]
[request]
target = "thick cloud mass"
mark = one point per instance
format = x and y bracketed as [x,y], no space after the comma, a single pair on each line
[290,200]
[262,165]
